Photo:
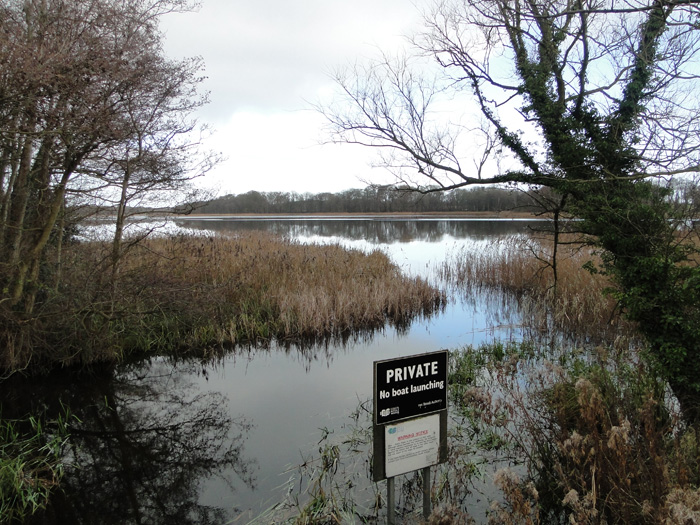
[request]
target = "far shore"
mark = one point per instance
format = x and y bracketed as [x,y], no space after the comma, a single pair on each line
[403,215]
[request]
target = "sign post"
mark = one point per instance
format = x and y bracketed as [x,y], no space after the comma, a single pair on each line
[410,419]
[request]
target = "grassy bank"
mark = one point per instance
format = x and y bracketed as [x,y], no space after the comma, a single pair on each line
[191,294]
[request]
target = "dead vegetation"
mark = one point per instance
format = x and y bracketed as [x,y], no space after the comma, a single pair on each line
[555,296]
[194,294]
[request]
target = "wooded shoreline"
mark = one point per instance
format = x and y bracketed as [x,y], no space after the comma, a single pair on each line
[380,215]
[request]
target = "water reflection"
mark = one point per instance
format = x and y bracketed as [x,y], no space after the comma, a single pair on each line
[143,440]
[157,442]
[369,230]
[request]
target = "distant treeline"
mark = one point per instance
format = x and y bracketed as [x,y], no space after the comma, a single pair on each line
[373,200]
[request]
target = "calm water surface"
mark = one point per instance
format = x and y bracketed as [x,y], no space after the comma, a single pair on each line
[189,442]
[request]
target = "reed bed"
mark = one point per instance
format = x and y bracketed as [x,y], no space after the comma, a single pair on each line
[187,293]
[286,289]
[576,303]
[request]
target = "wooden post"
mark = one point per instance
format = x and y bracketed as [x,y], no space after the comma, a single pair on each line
[390,502]
[426,493]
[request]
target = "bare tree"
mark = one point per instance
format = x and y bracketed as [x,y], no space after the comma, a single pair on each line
[161,154]
[553,81]
[79,81]
[593,99]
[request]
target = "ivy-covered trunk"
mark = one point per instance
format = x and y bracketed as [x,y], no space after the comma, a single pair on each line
[647,253]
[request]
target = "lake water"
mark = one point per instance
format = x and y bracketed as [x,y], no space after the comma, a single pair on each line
[220,442]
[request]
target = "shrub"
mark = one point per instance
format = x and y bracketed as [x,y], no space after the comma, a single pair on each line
[599,440]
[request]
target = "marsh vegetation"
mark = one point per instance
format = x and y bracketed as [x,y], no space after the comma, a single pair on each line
[556,292]
[553,415]
[586,106]
[575,428]
[194,294]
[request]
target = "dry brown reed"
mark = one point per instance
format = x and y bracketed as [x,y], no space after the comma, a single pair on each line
[308,290]
[569,298]
[597,443]
[189,292]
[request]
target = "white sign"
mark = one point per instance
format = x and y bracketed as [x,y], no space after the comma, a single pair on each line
[412,445]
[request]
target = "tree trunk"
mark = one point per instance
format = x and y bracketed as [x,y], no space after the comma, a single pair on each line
[24,289]
[119,226]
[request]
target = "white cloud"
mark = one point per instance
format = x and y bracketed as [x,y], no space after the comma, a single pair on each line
[265,61]
[268,54]
[281,151]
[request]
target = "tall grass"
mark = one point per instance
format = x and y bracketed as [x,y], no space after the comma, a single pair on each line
[190,293]
[574,302]
[268,287]
[30,467]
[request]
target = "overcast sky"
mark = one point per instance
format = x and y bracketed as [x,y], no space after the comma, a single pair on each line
[266,61]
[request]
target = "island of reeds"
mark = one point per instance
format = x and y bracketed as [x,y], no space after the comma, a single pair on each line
[191,294]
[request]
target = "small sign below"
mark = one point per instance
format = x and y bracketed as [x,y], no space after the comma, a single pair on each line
[408,387]
[412,445]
